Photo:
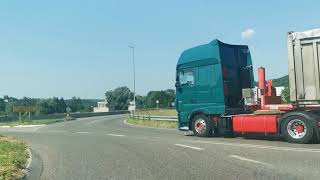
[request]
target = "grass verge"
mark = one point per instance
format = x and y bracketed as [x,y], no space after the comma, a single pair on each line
[151,123]
[32,122]
[158,112]
[13,157]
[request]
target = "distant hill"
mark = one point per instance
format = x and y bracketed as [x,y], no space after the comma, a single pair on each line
[282,81]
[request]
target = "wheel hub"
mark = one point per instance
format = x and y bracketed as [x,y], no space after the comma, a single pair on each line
[296,128]
[299,128]
[200,126]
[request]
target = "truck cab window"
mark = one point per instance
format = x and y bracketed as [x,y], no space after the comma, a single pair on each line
[186,77]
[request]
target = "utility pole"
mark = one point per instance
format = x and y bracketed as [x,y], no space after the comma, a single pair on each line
[134,76]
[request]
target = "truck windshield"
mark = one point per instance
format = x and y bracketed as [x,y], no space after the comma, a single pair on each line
[186,77]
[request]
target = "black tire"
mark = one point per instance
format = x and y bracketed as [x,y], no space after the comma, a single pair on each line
[207,131]
[298,118]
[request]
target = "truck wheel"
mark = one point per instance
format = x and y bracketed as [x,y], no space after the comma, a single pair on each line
[201,126]
[297,129]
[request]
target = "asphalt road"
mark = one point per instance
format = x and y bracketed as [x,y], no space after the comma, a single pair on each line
[107,148]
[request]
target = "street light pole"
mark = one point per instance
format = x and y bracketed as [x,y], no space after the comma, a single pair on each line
[134,76]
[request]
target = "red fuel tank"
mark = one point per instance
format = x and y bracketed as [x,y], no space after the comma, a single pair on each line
[255,123]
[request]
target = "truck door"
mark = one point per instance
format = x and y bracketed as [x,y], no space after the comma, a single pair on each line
[204,85]
[186,98]
[209,88]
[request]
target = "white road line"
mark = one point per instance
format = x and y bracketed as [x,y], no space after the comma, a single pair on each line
[24,126]
[259,146]
[57,131]
[117,135]
[83,132]
[35,129]
[29,126]
[191,147]
[249,160]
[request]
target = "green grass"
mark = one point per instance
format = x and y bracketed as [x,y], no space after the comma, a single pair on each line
[151,123]
[32,122]
[13,157]
[157,112]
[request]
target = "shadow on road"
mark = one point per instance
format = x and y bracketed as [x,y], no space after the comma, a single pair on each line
[252,137]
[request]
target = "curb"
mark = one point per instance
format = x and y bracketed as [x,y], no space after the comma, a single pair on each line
[34,166]
[28,164]
[171,129]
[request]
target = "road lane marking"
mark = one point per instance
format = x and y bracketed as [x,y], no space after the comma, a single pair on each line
[191,147]
[259,146]
[57,131]
[116,135]
[249,160]
[29,126]
[35,129]
[25,126]
[83,132]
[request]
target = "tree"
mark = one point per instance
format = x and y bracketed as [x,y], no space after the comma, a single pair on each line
[165,98]
[9,106]
[51,106]
[44,107]
[2,105]
[285,95]
[11,102]
[62,106]
[75,104]
[25,101]
[57,105]
[282,81]
[119,98]
[140,102]
[8,98]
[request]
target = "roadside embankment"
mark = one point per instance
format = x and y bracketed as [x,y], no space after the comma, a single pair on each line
[152,123]
[157,112]
[13,158]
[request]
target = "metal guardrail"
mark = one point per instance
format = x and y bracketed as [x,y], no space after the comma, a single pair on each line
[157,118]
[94,114]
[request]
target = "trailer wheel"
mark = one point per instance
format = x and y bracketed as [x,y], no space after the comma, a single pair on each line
[297,128]
[201,126]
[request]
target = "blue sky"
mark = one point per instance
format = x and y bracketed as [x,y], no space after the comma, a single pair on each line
[80,48]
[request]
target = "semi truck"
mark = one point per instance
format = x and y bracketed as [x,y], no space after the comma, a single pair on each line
[216,94]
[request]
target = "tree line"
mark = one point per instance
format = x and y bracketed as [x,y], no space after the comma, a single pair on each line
[46,106]
[119,99]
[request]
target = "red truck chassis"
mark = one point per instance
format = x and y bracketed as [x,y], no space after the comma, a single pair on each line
[296,123]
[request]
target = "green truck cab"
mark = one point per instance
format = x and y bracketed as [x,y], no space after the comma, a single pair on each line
[209,83]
